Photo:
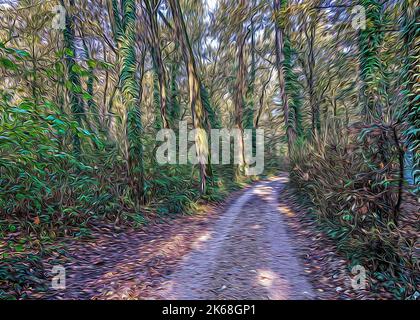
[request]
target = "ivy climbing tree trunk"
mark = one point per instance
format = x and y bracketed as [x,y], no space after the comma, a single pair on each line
[175,110]
[130,93]
[93,110]
[74,88]
[292,87]
[278,6]
[370,40]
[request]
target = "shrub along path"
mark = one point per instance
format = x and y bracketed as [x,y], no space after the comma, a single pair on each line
[243,249]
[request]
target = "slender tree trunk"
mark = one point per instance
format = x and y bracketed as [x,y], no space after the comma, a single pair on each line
[239,101]
[76,100]
[250,103]
[173,96]
[104,111]
[292,89]
[197,110]
[290,132]
[156,53]
[130,93]
[261,100]
[315,112]
[141,76]
[93,112]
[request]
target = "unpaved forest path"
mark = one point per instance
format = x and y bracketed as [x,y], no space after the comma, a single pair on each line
[246,255]
[243,252]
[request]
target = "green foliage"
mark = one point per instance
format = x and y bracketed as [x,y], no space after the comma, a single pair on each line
[174,105]
[21,274]
[410,113]
[77,140]
[89,94]
[130,96]
[40,177]
[116,22]
[156,100]
[74,82]
[354,187]
[371,65]
[293,90]
[212,117]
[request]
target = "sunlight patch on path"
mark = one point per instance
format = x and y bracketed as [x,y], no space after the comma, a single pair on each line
[246,254]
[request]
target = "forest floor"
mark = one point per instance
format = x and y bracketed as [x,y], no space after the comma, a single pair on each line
[258,244]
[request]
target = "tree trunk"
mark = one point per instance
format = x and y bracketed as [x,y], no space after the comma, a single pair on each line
[315,112]
[239,96]
[76,100]
[130,93]
[156,54]
[250,103]
[197,110]
[290,132]
[371,73]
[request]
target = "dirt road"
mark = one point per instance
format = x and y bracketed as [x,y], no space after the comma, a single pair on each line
[240,250]
[247,254]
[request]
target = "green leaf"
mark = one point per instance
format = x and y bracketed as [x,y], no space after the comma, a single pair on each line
[87,96]
[347,217]
[19,248]
[21,53]
[8,64]
[91,63]
[20,196]
[68,52]
[77,69]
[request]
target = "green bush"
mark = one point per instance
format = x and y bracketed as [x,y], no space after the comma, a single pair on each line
[355,188]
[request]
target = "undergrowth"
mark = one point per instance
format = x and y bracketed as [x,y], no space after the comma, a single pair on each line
[356,189]
[47,193]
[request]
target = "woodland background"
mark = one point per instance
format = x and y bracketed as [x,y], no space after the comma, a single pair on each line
[80,107]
